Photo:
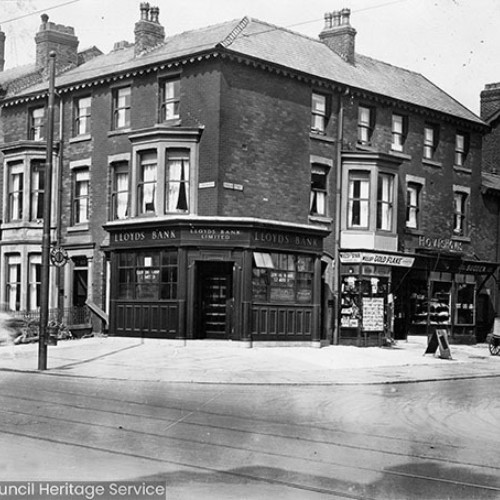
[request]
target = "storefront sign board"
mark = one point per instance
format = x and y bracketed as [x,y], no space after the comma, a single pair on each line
[376,258]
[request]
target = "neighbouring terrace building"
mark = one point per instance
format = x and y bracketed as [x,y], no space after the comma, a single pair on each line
[245,182]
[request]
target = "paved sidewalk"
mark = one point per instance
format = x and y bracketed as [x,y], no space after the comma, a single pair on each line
[227,362]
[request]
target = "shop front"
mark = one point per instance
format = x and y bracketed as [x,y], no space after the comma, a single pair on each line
[214,278]
[366,295]
[445,289]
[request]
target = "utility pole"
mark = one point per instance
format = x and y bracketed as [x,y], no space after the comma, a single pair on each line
[47,205]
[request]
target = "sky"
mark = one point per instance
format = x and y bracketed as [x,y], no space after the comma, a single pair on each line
[454,43]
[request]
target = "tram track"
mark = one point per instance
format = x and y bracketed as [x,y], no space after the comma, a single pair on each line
[306,441]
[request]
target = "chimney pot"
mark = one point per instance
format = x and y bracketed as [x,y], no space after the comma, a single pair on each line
[144,11]
[346,14]
[328,20]
[336,18]
[44,18]
[155,13]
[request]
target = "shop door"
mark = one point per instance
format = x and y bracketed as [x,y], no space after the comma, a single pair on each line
[215,300]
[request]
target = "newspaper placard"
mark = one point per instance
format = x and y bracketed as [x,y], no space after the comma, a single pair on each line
[373,314]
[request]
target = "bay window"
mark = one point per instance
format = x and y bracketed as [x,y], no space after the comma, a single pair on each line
[385,201]
[34,281]
[15,190]
[147,183]
[13,282]
[37,189]
[358,199]
[177,181]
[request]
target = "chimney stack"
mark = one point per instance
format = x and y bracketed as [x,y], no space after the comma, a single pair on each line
[148,31]
[58,38]
[339,35]
[2,50]
[490,100]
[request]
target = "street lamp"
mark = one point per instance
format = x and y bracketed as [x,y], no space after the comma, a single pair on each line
[47,204]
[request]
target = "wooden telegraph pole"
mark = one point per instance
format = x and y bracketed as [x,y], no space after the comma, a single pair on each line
[47,205]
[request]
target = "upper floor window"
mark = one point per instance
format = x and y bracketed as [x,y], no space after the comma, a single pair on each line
[318,113]
[147,183]
[366,121]
[319,190]
[15,190]
[36,129]
[37,189]
[385,201]
[431,139]
[461,149]
[413,191]
[177,181]
[121,107]
[358,200]
[170,99]
[82,116]
[81,195]
[399,127]
[119,191]
[460,199]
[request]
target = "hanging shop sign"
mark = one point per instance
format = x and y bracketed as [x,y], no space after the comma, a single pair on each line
[382,259]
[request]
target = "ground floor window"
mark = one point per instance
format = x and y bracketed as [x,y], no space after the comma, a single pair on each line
[147,275]
[287,278]
[13,282]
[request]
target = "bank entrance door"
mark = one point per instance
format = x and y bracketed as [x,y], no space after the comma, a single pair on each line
[215,300]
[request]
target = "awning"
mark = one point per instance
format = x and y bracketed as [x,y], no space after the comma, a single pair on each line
[263,260]
[490,184]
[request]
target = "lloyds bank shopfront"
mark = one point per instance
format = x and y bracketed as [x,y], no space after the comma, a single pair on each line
[238,279]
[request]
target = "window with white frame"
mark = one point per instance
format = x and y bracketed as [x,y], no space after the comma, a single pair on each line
[431,137]
[34,281]
[177,181]
[170,99]
[319,190]
[461,149]
[147,183]
[81,195]
[366,120]
[82,116]
[36,118]
[15,190]
[460,212]
[119,190]
[358,199]
[385,201]
[37,189]
[413,193]
[398,132]
[318,113]
[121,107]
[13,281]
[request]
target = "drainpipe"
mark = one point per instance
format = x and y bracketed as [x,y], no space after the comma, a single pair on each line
[338,206]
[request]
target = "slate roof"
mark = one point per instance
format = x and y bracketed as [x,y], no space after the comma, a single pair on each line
[277,46]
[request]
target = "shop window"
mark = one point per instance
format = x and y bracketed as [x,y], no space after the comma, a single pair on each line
[13,282]
[37,189]
[36,119]
[169,99]
[359,199]
[461,149]
[15,190]
[34,281]
[288,281]
[366,124]
[177,181]
[385,202]
[121,107]
[319,190]
[318,113]
[460,200]
[465,304]
[399,131]
[81,195]
[147,183]
[119,191]
[440,303]
[147,275]
[431,139]
[413,191]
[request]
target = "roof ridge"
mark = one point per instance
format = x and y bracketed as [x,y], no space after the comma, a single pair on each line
[235,32]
